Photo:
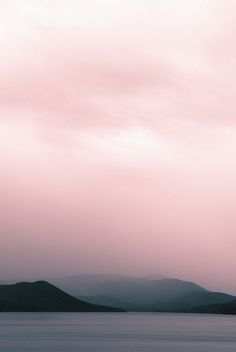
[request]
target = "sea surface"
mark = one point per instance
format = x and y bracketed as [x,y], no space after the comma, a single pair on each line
[113,332]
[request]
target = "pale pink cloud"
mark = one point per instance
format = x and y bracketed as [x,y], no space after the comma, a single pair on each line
[117,130]
[89,70]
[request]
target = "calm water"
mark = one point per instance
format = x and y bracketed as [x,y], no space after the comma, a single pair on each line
[116,332]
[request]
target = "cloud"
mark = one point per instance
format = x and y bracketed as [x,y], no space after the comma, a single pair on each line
[117,67]
[117,130]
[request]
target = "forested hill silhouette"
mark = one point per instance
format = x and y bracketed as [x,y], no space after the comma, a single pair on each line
[41,296]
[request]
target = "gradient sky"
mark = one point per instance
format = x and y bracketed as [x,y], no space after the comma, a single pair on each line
[118,138]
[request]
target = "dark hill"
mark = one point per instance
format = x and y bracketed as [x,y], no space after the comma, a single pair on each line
[137,295]
[132,294]
[41,296]
[223,308]
[188,301]
[8,307]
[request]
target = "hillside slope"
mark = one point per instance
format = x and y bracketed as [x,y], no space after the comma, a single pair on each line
[223,308]
[41,296]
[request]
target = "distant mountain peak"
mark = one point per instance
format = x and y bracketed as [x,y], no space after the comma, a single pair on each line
[142,293]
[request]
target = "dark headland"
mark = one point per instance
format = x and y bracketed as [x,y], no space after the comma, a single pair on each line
[41,296]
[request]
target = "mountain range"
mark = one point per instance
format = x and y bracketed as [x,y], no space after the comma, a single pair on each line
[114,293]
[150,294]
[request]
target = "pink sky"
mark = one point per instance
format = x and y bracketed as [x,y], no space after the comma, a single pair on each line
[118,138]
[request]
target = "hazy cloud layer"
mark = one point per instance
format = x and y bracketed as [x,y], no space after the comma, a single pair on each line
[118,138]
